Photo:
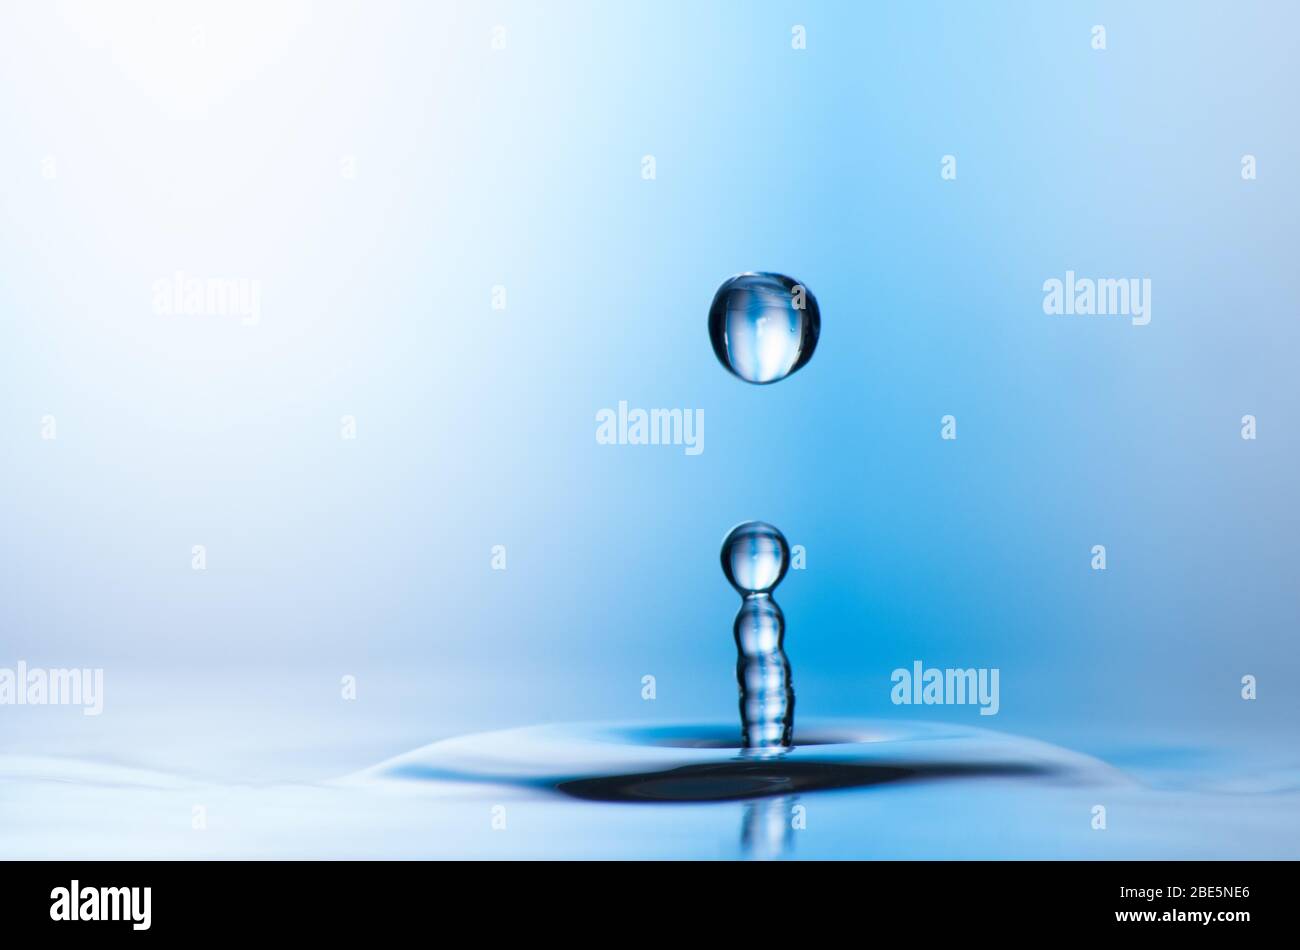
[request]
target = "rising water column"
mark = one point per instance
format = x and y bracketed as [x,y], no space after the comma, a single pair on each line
[755,557]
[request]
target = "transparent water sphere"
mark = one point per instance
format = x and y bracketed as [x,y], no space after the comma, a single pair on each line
[755,557]
[764,326]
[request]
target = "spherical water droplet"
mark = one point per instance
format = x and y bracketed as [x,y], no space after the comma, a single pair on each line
[755,557]
[764,326]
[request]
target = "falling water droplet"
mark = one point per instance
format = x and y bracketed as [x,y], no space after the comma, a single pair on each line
[755,557]
[764,326]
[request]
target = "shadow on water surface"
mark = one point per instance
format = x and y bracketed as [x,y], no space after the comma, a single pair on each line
[738,779]
[742,779]
[694,763]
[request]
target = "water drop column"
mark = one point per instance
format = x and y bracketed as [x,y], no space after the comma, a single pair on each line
[755,557]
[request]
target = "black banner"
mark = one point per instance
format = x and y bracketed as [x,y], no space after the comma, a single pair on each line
[1221,900]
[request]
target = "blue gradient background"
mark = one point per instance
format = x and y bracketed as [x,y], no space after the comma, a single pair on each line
[522,167]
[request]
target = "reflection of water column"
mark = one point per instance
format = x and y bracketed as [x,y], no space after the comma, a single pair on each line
[766,831]
[754,558]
